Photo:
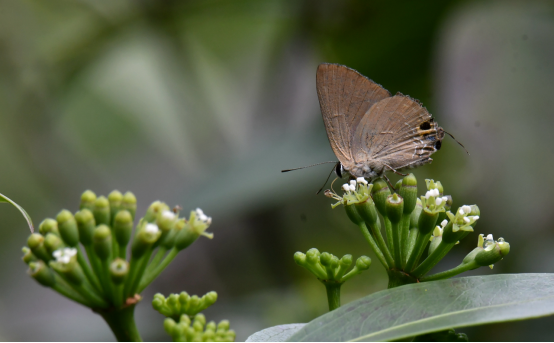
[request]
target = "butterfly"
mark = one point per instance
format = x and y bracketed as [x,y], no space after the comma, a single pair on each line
[370,130]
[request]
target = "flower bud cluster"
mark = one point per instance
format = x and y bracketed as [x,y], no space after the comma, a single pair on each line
[328,268]
[92,257]
[412,226]
[197,330]
[176,305]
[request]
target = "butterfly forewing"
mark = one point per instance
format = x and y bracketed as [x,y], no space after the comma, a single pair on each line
[396,132]
[345,96]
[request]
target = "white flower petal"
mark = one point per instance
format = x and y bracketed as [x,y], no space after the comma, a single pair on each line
[151,228]
[444,222]
[346,187]
[169,215]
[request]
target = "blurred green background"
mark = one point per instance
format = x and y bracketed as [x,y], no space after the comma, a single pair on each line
[202,103]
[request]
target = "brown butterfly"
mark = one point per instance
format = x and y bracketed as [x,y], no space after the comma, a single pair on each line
[371,131]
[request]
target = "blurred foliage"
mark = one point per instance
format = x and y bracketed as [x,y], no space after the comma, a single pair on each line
[204,102]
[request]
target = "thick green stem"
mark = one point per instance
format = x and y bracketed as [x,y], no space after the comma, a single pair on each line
[419,248]
[388,232]
[122,323]
[451,272]
[440,251]
[156,260]
[412,238]
[97,267]
[399,278]
[373,245]
[333,295]
[405,231]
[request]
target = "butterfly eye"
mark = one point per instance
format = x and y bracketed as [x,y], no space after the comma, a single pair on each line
[425,126]
[338,170]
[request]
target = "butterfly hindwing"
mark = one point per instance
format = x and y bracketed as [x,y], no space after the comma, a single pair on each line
[345,96]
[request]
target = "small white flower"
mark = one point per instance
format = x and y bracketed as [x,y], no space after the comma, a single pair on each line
[445,199]
[444,222]
[489,237]
[361,180]
[467,220]
[64,255]
[475,217]
[151,228]
[208,220]
[438,201]
[169,215]
[353,187]
[467,209]
[461,211]
[346,187]
[353,183]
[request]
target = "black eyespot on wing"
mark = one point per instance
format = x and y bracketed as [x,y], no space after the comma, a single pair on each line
[438,145]
[425,126]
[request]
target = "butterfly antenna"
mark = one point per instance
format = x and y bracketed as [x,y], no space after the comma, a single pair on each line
[457,142]
[327,178]
[288,170]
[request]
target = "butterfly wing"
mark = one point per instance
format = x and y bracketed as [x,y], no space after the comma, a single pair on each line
[396,132]
[344,97]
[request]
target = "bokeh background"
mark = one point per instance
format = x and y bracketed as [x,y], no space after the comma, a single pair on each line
[202,103]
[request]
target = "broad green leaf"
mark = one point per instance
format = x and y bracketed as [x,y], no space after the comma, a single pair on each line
[279,333]
[421,308]
[27,217]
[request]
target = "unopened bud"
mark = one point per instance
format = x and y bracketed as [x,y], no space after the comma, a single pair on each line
[154,210]
[123,227]
[115,198]
[86,225]
[47,226]
[87,200]
[68,228]
[102,242]
[129,203]
[40,272]
[101,211]
[394,208]
[363,263]
[408,192]
[379,193]
[52,243]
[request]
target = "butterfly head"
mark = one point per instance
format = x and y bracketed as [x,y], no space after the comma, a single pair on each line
[340,171]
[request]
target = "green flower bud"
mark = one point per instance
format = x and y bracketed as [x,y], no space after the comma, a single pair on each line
[48,225]
[394,208]
[169,326]
[344,263]
[200,318]
[28,255]
[427,221]
[154,210]
[166,221]
[123,227]
[353,214]
[492,252]
[368,212]
[86,225]
[147,235]
[40,272]
[223,325]
[129,203]
[300,258]
[102,242]
[87,200]
[408,192]
[363,263]
[36,244]
[471,257]
[119,268]
[101,211]
[438,185]
[169,240]
[209,299]
[68,228]
[397,186]
[312,256]
[115,198]
[185,237]
[330,262]
[414,217]
[379,193]
[52,243]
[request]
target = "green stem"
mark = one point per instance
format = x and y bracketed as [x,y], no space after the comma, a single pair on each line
[376,232]
[156,260]
[122,252]
[140,272]
[396,234]
[118,295]
[399,278]
[148,278]
[109,290]
[122,323]
[412,237]
[388,232]
[451,272]
[88,293]
[91,277]
[333,295]
[405,225]
[67,291]
[440,251]
[97,267]
[419,248]
[134,266]
[373,245]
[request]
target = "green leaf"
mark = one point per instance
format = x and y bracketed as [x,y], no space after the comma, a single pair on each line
[421,308]
[279,333]
[27,217]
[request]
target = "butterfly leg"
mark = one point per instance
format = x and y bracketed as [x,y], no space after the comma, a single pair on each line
[394,170]
[388,181]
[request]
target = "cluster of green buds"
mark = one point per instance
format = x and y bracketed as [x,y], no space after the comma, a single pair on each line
[331,270]
[184,323]
[93,258]
[197,330]
[410,227]
[175,305]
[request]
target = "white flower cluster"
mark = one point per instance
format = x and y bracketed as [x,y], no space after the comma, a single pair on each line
[64,255]
[202,217]
[435,193]
[464,211]
[351,187]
